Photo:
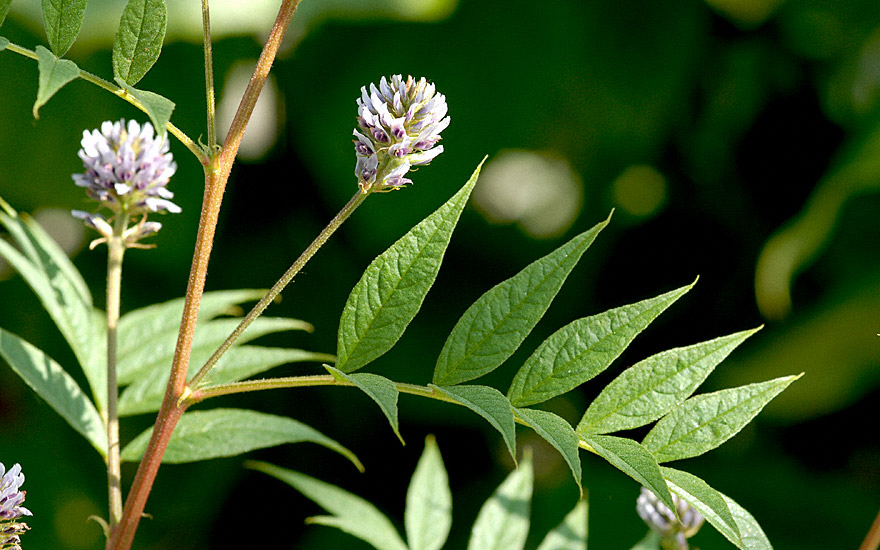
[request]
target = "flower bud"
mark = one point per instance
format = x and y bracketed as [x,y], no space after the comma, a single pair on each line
[400,124]
[673,531]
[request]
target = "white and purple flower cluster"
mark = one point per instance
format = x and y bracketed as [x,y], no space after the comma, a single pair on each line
[127,168]
[11,509]
[400,123]
[673,532]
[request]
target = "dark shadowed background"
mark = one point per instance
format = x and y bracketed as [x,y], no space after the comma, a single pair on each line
[737,141]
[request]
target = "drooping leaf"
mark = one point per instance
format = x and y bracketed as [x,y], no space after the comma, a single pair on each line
[635,461]
[138,40]
[557,432]
[63,293]
[706,500]
[393,287]
[582,349]
[706,421]
[63,20]
[145,393]
[158,108]
[488,403]
[380,389]
[496,324]
[571,534]
[50,381]
[351,513]
[202,435]
[653,387]
[54,74]
[503,521]
[753,537]
[428,515]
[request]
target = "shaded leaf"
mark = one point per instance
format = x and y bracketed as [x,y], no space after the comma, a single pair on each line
[202,435]
[4,9]
[706,421]
[241,362]
[753,537]
[706,500]
[63,19]
[653,387]
[557,432]
[488,403]
[50,381]
[635,461]
[157,107]
[650,542]
[138,40]
[496,324]
[380,389]
[582,349]
[428,515]
[393,287]
[503,521]
[571,534]
[54,74]
[3,41]
[351,513]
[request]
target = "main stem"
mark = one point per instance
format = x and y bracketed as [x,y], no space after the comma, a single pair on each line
[115,251]
[216,175]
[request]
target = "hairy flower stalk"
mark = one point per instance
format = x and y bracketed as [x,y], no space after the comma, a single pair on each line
[673,531]
[400,123]
[11,509]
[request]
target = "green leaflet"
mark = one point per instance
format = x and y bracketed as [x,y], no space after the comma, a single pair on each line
[241,362]
[158,108]
[54,74]
[138,40]
[63,20]
[503,521]
[650,542]
[202,435]
[62,291]
[558,433]
[706,500]
[498,322]
[351,513]
[380,389]
[428,515]
[4,9]
[753,537]
[571,534]
[582,349]
[50,381]
[635,461]
[488,403]
[653,387]
[3,41]
[145,393]
[394,285]
[706,421]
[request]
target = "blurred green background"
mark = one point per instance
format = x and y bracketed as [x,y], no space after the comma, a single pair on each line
[730,137]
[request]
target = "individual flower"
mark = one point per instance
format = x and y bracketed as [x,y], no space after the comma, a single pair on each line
[127,168]
[674,531]
[11,509]
[400,124]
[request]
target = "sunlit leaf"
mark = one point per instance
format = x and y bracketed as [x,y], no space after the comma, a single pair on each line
[138,40]
[202,435]
[351,513]
[582,349]
[503,521]
[498,322]
[158,108]
[54,73]
[63,20]
[393,287]
[753,537]
[380,389]
[50,381]
[557,432]
[653,387]
[635,461]
[571,534]
[706,500]
[706,421]
[428,515]
[488,403]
